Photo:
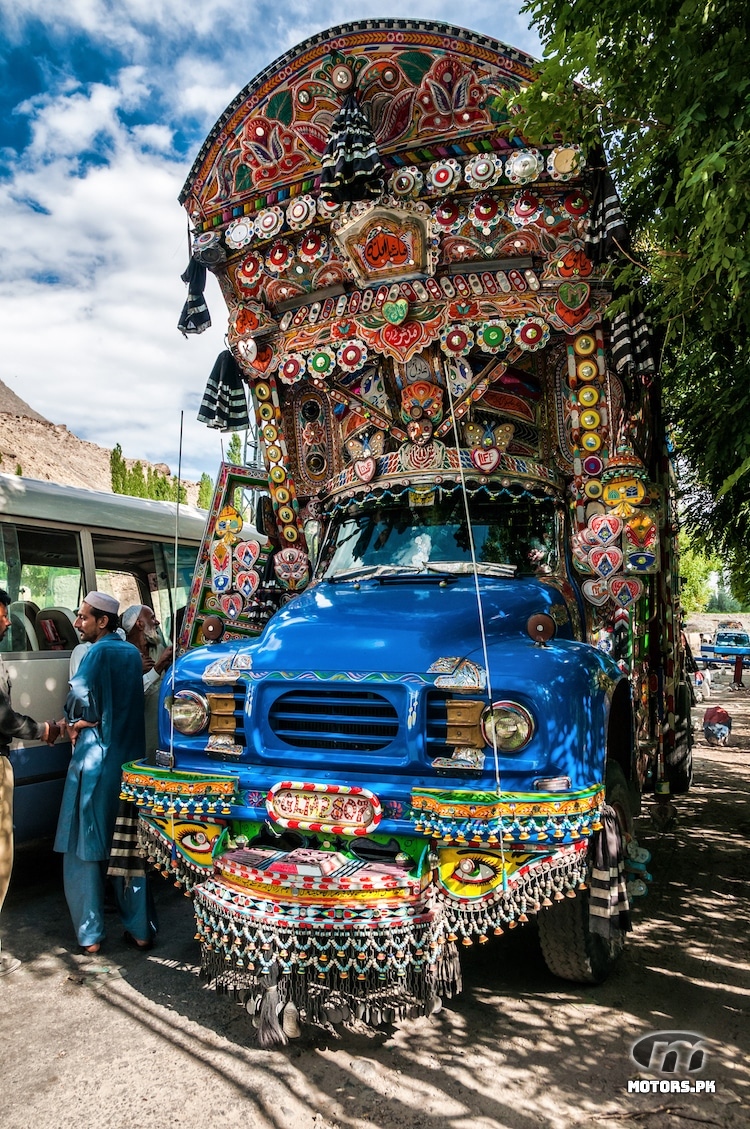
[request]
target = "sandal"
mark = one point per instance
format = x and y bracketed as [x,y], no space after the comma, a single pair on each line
[134,943]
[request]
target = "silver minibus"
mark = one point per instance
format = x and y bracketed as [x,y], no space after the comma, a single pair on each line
[56,544]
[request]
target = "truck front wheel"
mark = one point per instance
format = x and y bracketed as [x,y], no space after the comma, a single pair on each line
[571,951]
[678,759]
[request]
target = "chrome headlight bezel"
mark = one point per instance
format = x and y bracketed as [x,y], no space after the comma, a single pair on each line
[189,712]
[514,726]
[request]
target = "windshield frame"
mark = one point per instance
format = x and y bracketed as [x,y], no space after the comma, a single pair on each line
[334,563]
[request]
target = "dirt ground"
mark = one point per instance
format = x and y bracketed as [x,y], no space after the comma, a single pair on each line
[130,1040]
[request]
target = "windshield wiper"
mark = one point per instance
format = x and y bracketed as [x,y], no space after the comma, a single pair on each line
[436,568]
[371,571]
[465,568]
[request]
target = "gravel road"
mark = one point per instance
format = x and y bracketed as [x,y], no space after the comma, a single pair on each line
[129,1041]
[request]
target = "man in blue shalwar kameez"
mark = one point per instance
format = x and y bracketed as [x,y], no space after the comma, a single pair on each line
[104,715]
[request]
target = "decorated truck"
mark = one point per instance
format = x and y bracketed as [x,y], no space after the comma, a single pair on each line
[430,660]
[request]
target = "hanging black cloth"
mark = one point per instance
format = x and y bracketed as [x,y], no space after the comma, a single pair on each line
[351,168]
[609,909]
[195,316]
[632,350]
[224,404]
[607,233]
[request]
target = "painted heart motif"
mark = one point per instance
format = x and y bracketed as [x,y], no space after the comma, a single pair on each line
[246,583]
[574,295]
[596,592]
[569,317]
[485,459]
[587,538]
[402,337]
[605,561]
[232,604]
[625,590]
[263,358]
[581,557]
[395,312]
[365,469]
[606,528]
[246,553]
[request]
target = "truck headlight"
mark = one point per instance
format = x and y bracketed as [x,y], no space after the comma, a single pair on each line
[189,711]
[508,725]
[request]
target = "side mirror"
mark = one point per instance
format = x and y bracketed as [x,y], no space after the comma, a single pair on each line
[259,515]
[313,528]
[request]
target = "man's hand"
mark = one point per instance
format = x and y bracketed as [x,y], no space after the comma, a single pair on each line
[71,730]
[53,732]
[164,661]
[147,662]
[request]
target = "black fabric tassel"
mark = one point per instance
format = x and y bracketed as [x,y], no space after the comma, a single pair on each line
[125,859]
[607,233]
[224,404]
[351,168]
[195,317]
[631,343]
[609,909]
[270,1031]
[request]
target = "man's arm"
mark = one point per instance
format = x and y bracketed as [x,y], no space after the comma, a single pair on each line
[24,728]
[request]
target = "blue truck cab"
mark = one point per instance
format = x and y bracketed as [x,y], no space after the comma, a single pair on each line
[429,660]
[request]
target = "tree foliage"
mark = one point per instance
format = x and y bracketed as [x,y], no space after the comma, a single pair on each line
[205,491]
[235,454]
[695,572]
[665,85]
[142,484]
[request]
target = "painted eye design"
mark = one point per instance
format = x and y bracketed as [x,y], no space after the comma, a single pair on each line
[474,870]
[195,840]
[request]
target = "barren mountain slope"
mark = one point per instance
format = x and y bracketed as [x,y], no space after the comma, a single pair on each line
[49,451]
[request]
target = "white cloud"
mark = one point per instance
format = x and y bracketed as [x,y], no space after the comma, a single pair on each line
[90,288]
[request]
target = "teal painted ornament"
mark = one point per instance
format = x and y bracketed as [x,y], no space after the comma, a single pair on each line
[396,312]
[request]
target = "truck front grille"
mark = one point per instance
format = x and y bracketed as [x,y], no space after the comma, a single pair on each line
[353,720]
[437,726]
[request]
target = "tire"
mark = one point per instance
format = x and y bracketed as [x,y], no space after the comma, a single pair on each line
[678,761]
[570,950]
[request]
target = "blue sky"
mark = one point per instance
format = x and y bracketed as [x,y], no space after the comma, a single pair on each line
[104,105]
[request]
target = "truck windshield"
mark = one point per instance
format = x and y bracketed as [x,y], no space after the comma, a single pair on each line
[512,536]
[732,639]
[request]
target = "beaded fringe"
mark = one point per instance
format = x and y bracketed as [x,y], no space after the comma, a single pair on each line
[379,969]
[535,887]
[160,853]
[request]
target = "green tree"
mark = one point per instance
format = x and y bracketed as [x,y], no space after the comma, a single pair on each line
[118,470]
[205,491]
[139,484]
[665,85]
[136,481]
[234,450]
[695,572]
[722,600]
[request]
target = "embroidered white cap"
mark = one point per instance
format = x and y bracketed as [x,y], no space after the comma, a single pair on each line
[101,602]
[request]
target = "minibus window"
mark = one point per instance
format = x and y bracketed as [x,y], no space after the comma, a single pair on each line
[142,572]
[41,571]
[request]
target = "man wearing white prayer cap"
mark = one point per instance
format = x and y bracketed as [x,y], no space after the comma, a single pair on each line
[104,718]
[141,628]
